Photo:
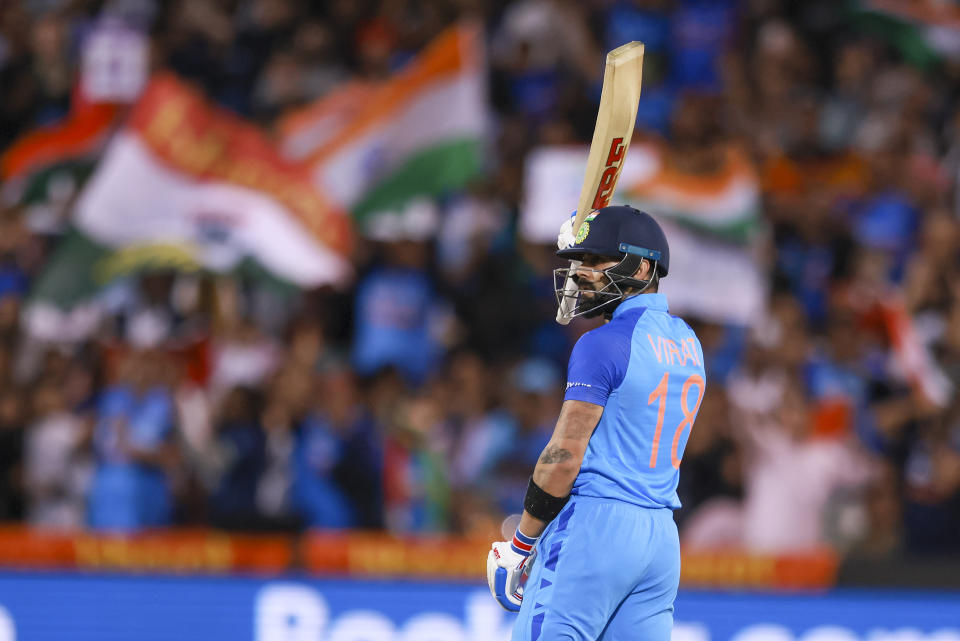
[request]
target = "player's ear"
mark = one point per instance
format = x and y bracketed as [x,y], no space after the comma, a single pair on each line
[643,272]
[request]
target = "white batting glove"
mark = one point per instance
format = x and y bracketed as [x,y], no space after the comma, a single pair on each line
[508,565]
[566,237]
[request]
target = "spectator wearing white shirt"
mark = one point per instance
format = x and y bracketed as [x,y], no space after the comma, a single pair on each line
[57,464]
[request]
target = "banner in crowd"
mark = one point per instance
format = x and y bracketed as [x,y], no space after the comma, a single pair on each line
[50,164]
[375,148]
[187,185]
[44,607]
[712,222]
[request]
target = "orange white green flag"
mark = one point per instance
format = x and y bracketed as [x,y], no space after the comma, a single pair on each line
[722,201]
[188,186]
[374,148]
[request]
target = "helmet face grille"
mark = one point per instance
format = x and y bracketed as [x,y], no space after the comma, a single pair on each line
[580,301]
[573,299]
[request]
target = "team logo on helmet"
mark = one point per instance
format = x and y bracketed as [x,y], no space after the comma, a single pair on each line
[582,232]
[585,228]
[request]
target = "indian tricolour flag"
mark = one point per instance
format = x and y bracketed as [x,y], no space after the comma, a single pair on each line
[711,216]
[374,148]
[722,202]
[188,186]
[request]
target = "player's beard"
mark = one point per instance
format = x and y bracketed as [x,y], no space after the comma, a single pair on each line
[596,296]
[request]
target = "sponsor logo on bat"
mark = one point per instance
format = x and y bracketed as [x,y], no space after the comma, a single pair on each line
[614,161]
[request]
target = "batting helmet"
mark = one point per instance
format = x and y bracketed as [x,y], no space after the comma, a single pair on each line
[617,231]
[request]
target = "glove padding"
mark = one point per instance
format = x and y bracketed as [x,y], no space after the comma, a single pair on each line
[507,572]
[566,237]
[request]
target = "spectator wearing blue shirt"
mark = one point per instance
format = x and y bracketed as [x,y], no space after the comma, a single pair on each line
[240,447]
[337,459]
[133,448]
[316,495]
[360,471]
[398,316]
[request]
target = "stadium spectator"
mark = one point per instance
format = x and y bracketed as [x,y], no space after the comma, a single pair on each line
[416,486]
[336,475]
[399,318]
[239,449]
[134,450]
[791,475]
[56,465]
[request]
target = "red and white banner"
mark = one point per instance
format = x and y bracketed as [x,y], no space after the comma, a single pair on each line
[189,175]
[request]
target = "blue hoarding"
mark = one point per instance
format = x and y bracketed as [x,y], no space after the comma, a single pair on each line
[76,607]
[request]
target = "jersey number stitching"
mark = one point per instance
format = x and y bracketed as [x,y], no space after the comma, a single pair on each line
[660,394]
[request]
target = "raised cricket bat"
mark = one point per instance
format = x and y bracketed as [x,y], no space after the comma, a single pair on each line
[614,128]
[611,139]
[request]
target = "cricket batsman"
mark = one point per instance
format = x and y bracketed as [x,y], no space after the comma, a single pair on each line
[596,554]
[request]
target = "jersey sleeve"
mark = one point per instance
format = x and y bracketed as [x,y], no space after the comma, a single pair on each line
[597,366]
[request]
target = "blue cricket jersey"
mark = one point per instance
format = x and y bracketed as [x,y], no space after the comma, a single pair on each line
[645,367]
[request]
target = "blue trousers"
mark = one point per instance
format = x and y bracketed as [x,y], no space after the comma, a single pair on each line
[605,571]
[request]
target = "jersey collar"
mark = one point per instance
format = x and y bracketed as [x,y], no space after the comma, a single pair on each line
[656,302]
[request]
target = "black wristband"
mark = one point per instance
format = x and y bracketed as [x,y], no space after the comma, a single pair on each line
[541,505]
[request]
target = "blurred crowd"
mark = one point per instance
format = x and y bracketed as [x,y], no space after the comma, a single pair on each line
[420,399]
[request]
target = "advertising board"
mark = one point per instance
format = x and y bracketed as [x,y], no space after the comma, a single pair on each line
[54,607]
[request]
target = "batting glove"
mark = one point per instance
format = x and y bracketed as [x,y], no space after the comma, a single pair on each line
[566,237]
[508,565]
